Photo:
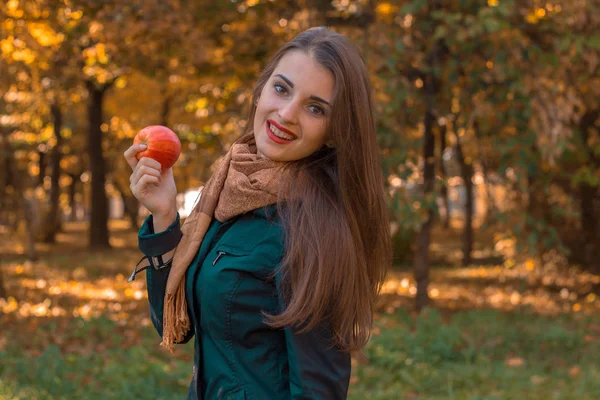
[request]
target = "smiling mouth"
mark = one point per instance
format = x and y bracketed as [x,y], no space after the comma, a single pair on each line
[279,134]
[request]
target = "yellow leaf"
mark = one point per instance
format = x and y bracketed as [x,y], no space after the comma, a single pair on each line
[8,24]
[493,3]
[591,298]
[531,18]
[201,103]
[101,54]
[121,83]
[385,9]
[6,46]
[25,55]
[76,15]
[45,35]
[13,9]
[530,265]
[515,362]
[11,305]
[12,5]
[540,13]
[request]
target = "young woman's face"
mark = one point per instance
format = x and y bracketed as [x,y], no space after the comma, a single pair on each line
[293,109]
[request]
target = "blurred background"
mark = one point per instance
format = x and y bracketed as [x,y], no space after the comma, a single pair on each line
[488,119]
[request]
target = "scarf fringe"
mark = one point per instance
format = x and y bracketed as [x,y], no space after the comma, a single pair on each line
[176,322]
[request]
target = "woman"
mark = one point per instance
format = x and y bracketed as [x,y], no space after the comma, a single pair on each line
[277,268]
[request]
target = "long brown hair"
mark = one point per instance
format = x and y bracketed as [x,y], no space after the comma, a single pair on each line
[337,233]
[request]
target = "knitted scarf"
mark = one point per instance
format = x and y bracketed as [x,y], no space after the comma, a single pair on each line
[242,182]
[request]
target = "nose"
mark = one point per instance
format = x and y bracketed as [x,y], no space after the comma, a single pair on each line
[288,112]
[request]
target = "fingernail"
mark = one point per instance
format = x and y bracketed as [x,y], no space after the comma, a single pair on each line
[143,146]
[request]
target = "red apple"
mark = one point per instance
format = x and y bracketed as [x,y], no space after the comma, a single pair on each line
[163,145]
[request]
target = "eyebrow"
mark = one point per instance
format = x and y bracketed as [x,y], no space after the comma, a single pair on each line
[312,97]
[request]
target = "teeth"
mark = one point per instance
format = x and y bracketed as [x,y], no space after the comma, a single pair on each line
[279,133]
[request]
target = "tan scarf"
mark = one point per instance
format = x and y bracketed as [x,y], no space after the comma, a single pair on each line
[242,182]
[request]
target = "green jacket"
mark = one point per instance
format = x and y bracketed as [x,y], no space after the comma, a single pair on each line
[229,283]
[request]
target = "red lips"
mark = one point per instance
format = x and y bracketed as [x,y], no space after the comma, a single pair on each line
[282,129]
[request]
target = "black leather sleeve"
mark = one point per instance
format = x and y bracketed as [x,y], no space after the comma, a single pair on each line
[154,245]
[317,369]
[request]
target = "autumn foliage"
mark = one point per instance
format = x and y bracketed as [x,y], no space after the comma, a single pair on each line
[488,119]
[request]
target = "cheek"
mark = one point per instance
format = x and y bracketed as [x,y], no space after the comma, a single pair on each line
[317,132]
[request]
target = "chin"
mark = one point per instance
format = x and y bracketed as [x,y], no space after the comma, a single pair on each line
[272,156]
[265,151]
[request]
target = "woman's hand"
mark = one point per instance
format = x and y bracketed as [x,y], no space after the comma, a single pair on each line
[155,189]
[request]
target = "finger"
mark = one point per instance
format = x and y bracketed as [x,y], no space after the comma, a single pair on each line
[149,162]
[142,170]
[145,162]
[144,182]
[130,153]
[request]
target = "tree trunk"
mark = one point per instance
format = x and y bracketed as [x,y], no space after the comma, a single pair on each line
[490,204]
[9,201]
[424,237]
[590,197]
[131,205]
[589,226]
[42,167]
[72,192]
[4,182]
[31,218]
[3,292]
[4,178]
[98,231]
[444,176]
[166,106]
[19,183]
[466,172]
[53,219]
[538,211]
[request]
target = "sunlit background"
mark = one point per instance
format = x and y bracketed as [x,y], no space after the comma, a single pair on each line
[488,120]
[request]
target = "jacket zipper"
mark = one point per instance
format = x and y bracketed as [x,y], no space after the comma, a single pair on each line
[219,255]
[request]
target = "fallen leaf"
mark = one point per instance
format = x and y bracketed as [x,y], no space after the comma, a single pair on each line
[574,371]
[515,362]
[589,338]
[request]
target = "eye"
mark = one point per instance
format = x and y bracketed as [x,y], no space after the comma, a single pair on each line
[279,88]
[316,109]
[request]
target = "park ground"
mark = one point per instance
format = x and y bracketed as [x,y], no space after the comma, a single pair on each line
[74,328]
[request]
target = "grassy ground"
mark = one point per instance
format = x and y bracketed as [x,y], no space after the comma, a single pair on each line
[74,328]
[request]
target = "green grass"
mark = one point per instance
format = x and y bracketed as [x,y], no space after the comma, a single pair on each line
[423,358]
[142,372]
[480,354]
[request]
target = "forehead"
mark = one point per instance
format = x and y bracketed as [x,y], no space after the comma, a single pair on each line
[308,76]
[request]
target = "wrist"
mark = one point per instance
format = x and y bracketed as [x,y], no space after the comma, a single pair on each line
[161,221]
